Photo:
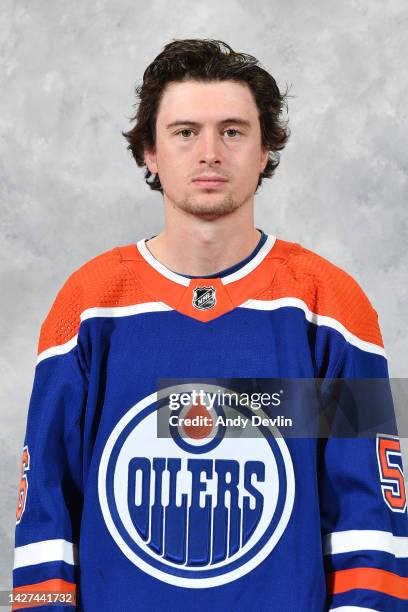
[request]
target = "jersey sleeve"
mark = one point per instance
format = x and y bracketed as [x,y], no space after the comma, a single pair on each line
[362,491]
[50,490]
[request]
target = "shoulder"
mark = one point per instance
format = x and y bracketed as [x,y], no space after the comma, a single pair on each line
[333,286]
[328,291]
[101,282]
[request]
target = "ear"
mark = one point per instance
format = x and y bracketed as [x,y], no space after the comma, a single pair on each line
[264,159]
[150,160]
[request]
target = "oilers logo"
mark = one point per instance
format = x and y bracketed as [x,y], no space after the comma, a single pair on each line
[195,509]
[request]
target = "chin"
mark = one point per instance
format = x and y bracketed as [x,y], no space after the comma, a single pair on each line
[216,207]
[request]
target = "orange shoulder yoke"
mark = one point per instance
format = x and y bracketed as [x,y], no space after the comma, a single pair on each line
[328,291]
[104,281]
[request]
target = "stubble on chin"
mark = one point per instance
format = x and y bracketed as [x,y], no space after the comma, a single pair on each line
[202,208]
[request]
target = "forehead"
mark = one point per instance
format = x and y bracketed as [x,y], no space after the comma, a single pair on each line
[206,101]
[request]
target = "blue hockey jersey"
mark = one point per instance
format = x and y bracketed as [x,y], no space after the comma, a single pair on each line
[112,517]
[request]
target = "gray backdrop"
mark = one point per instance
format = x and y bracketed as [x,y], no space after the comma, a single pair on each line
[70,190]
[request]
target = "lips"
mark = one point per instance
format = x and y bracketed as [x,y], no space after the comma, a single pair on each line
[209,181]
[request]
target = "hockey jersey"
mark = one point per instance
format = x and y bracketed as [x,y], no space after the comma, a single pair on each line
[112,517]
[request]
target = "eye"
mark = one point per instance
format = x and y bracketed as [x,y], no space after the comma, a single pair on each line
[234,132]
[185,132]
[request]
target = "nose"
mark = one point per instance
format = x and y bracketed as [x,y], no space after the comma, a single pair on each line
[210,149]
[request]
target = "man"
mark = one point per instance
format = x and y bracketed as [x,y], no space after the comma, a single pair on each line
[124,519]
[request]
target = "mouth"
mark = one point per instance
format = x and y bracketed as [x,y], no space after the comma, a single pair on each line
[212,183]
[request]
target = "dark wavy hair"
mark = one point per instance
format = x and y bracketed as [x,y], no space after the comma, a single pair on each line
[206,60]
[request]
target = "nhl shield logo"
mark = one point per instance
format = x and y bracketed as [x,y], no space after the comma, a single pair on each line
[204,298]
[194,511]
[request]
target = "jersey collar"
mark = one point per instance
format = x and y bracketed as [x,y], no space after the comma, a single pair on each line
[225,280]
[203,299]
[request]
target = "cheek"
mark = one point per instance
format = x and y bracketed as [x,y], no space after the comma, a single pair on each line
[172,168]
[248,164]
[167,160]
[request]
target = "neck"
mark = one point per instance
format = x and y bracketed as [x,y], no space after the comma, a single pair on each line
[198,246]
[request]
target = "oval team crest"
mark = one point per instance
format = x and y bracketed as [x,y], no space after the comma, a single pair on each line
[195,510]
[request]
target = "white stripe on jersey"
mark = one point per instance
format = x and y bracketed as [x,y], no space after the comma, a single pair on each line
[365,539]
[352,609]
[45,551]
[124,311]
[90,313]
[59,349]
[315,318]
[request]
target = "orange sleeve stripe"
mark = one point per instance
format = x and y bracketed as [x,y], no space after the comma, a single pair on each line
[47,588]
[367,578]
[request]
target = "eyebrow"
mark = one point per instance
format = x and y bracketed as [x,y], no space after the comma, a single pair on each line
[235,120]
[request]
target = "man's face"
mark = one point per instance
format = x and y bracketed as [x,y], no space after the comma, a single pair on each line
[206,130]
